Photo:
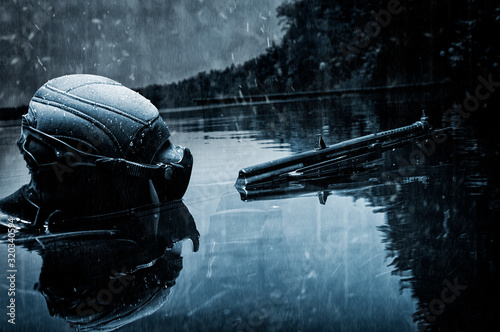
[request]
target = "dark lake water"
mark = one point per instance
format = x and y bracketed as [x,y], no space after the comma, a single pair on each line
[411,242]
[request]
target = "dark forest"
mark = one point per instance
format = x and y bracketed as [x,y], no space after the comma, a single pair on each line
[330,45]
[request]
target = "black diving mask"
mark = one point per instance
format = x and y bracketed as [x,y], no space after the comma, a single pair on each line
[169,171]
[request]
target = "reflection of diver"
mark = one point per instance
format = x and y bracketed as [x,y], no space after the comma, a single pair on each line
[104,280]
[94,146]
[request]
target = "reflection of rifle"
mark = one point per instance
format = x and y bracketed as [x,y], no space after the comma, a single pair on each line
[328,161]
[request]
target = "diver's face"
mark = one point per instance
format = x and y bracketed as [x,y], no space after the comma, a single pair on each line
[87,191]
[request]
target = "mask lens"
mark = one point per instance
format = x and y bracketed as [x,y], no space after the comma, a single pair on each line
[35,152]
[28,157]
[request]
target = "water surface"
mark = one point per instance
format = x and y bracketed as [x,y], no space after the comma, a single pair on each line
[376,256]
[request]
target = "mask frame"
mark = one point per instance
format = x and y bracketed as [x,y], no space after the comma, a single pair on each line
[159,174]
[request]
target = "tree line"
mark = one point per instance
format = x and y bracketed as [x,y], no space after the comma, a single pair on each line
[343,44]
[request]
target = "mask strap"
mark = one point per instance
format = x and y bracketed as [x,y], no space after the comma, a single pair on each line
[64,151]
[145,171]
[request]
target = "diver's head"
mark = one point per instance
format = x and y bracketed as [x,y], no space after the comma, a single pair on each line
[93,145]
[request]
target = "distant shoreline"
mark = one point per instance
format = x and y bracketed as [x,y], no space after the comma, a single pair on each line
[13,113]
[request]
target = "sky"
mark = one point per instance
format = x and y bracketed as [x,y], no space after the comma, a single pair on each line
[136,43]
